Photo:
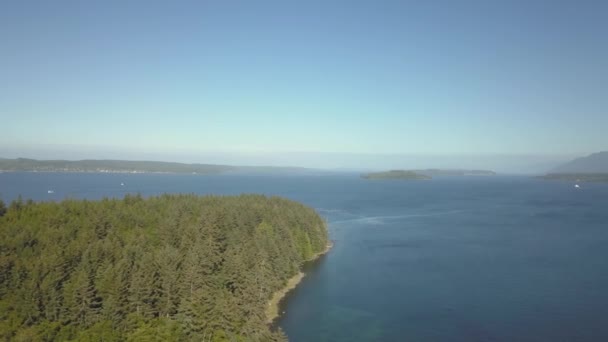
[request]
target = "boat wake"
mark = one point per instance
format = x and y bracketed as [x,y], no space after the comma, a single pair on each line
[378,220]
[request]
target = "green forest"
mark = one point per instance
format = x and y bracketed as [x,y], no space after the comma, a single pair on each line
[166,268]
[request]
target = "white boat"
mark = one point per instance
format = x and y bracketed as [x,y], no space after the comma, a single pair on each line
[122,184]
[576,186]
[50,192]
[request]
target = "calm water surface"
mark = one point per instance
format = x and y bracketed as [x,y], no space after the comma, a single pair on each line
[452,259]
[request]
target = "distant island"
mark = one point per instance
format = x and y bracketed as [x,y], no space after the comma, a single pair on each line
[128,166]
[592,168]
[425,174]
[455,172]
[396,174]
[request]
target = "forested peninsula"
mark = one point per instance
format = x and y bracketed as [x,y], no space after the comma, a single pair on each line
[167,268]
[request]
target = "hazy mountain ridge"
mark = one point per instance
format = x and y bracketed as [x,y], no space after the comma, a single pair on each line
[593,163]
[592,168]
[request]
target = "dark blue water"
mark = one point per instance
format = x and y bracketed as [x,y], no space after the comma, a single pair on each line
[452,259]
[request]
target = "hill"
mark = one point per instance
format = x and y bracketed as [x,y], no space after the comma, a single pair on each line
[592,168]
[594,163]
[168,268]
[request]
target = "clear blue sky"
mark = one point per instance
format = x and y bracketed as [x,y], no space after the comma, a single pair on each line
[200,78]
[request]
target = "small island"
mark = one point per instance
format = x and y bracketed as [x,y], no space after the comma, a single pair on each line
[455,172]
[396,174]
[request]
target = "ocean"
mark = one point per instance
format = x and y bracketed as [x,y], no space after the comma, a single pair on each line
[504,258]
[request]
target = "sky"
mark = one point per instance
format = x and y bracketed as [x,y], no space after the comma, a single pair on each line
[307,83]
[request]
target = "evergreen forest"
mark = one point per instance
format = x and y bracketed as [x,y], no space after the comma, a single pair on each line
[166,268]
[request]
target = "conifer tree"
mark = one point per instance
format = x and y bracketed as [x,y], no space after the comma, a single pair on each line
[174,267]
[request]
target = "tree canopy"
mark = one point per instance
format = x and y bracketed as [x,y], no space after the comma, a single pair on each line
[167,268]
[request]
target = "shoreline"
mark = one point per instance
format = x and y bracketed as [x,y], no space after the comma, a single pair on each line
[272,310]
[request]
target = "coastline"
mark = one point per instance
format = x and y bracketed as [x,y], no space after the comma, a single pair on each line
[272,310]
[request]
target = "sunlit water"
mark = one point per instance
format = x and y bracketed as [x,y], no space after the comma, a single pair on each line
[451,259]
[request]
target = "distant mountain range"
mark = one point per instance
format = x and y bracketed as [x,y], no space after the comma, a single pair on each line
[127,166]
[594,163]
[592,168]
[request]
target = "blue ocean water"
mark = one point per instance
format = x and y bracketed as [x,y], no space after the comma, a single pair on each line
[451,259]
